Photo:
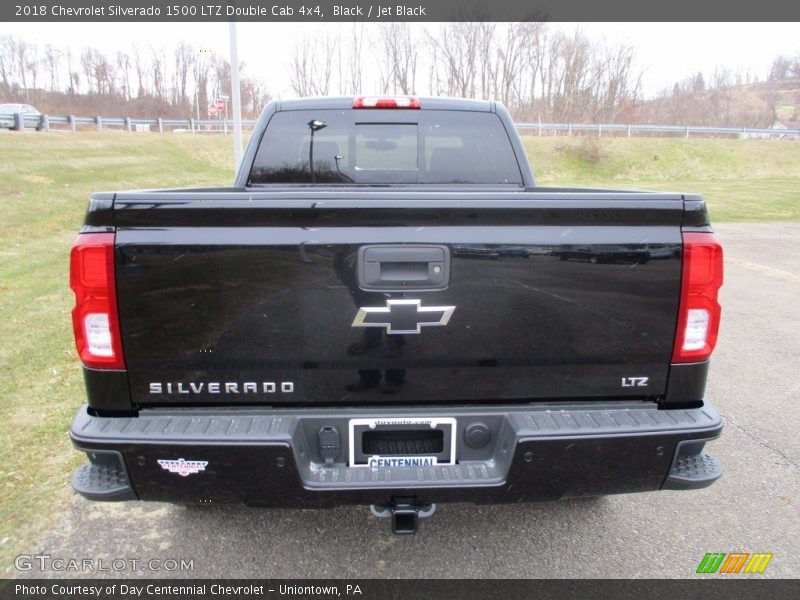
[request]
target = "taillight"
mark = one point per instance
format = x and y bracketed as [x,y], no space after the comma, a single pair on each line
[386,102]
[94,318]
[699,313]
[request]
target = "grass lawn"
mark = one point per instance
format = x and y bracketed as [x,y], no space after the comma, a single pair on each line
[742,180]
[46,179]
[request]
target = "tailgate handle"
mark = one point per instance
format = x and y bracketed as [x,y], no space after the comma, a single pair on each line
[388,268]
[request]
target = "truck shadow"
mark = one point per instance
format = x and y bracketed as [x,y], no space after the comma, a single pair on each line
[459,540]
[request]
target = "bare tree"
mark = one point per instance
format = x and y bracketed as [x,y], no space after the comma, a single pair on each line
[535,34]
[779,71]
[398,65]
[8,54]
[487,71]
[73,77]
[722,77]
[106,73]
[87,64]
[254,96]
[221,72]
[99,72]
[124,70]
[616,85]
[158,69]
[32,65]
[301,68]
[52,57]
[699,83]
[510,64]
[310,69]
[354,81]
[456,58]
[21,48]
[794,70]
[184,61]
[200,74]
[139,63]
[564,75]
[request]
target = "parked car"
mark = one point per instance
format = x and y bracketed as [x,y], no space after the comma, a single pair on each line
[28,112]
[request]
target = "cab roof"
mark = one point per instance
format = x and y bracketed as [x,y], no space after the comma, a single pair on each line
[346,102]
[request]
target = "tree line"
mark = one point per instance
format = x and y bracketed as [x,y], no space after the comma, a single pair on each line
[529,67]
[146,80]
[537,70]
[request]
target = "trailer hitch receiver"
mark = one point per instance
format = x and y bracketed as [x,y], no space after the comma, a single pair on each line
[405,513]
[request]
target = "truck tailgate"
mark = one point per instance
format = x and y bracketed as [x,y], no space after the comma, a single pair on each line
[255,297]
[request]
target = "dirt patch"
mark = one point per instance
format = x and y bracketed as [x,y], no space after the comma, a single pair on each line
[39,180]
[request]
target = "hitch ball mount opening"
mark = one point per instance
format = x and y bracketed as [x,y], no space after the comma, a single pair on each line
[404,513]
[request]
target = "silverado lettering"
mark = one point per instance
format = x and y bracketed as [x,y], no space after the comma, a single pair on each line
[215,387]
[399,316]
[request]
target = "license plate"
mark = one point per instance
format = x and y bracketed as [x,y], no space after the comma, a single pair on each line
[371,440]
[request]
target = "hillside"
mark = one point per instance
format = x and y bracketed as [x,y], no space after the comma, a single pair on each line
[758,104]
[742,180]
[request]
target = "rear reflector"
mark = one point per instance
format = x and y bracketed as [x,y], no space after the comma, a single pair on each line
[386,102]
[94,318]
[699,313]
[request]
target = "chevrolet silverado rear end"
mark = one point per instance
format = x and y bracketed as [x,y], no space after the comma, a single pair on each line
[385,310]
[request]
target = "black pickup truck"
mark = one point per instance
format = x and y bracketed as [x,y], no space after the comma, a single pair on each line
[386,310]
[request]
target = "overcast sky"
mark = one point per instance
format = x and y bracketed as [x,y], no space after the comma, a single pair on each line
[666,52]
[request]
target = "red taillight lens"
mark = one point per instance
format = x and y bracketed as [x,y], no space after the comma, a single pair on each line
[94,318]
[699,313]
[386,102]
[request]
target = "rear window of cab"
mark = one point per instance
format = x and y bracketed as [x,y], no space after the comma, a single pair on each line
[385,147]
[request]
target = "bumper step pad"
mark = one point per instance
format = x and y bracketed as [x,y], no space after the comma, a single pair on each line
[693,472]
[105,478]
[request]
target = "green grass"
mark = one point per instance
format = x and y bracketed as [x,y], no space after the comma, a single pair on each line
[742,180]
[46,179]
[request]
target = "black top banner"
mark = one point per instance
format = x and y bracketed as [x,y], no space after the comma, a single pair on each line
[321,11]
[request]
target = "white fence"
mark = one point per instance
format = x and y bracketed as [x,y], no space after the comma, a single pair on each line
[19,121]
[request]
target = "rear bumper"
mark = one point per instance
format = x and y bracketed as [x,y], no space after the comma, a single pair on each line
[272,457]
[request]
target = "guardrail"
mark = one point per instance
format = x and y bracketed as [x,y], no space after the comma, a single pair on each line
[19,121]
[601,129]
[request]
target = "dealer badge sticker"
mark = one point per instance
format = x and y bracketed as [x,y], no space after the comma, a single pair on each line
[184,468]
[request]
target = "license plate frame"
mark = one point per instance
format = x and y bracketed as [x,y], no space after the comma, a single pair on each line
[358,425]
